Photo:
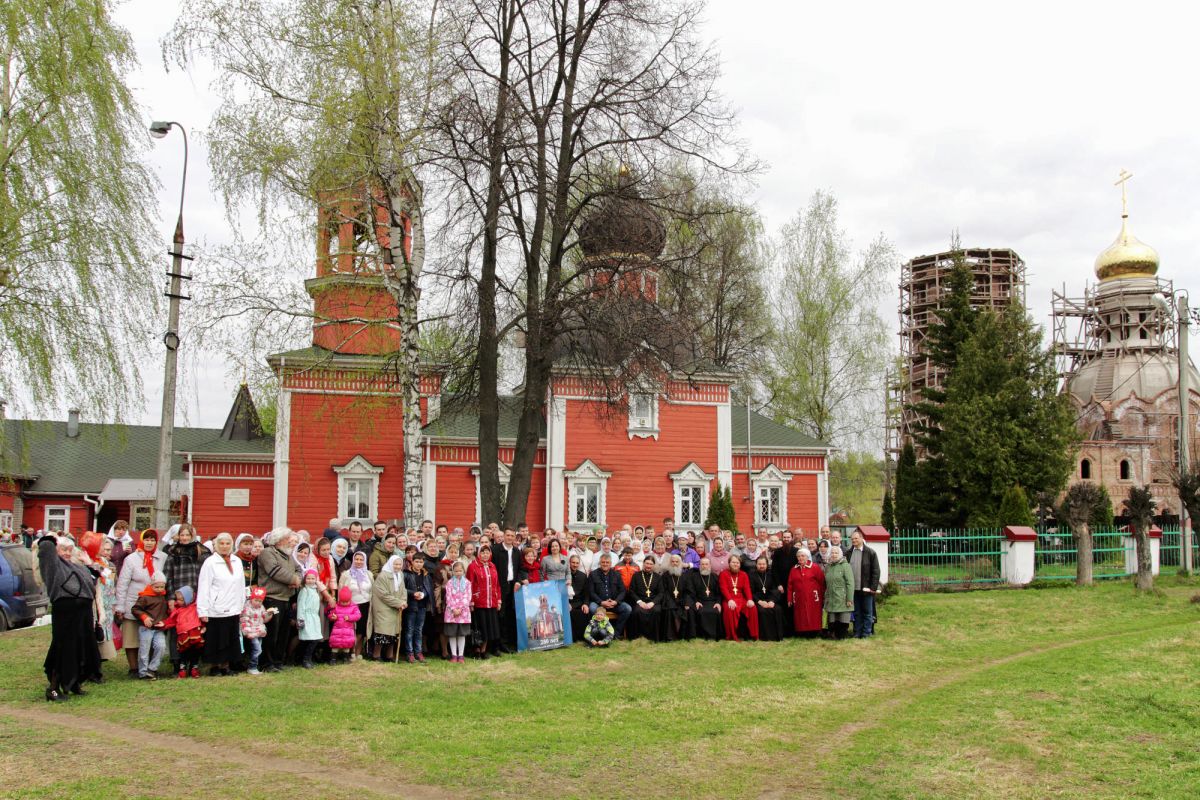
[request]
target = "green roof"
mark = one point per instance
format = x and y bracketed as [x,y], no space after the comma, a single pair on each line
[42,451]
[766,432]
[460,419]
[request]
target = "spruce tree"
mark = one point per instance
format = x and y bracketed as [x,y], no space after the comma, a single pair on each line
[720,510]
[1003,419]
[888,514]
[907,503]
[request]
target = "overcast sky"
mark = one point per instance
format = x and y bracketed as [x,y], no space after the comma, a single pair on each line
[1006,121]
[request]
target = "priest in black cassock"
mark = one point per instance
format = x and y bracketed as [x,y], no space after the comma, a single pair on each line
[702,595]
[769,599]
[577,596]
[674,601]
[645,593]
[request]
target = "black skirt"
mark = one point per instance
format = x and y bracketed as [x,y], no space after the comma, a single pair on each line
[360,627]
[74,655]
[485,624]
[222,640]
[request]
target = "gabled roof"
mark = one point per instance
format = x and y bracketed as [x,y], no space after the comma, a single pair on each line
[41,450]
[766,432]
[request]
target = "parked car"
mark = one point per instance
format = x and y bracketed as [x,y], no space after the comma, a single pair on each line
[21,600]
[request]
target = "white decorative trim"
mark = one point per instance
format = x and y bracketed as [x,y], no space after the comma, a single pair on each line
[691,477]
[770,477]
[725,444]
[505,474]
[359,469]
[283,434]
[587,474]
[66,518]
[429,487]
[556,456]
[643,427]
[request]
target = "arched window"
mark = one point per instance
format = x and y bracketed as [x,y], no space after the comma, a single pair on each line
[1126,470]
[1085,469]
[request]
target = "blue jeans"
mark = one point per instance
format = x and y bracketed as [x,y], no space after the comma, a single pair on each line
[254,648]
[414,627]
[152,643]
[864,614]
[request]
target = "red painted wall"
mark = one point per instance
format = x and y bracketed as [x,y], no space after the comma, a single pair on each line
[803,508]
[640,491]
[329,430]
[456,498]
[35,511]
[211,516]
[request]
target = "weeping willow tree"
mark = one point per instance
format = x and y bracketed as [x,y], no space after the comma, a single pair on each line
[75,227]
[322,104]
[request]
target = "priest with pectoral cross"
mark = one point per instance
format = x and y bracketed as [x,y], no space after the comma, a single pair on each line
[702,596]
[646,590]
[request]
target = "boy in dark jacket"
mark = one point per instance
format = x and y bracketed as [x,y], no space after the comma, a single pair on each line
[151,611]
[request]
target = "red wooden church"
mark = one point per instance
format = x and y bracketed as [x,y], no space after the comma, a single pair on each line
[654,449]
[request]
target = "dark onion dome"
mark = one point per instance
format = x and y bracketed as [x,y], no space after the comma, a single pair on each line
[620,223]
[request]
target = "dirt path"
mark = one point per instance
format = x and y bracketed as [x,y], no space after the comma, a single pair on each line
[186,750]
[885,702]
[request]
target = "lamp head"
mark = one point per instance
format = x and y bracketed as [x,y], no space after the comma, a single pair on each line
[159,128]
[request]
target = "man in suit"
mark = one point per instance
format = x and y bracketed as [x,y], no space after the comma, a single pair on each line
[606,590]
[508,560]
[865,566]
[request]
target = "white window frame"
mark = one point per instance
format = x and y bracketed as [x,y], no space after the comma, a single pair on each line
[505,475]
[358,469]
[691,477]
[771,477]
[66,518]
[133,516]
[643,426]
[587,474]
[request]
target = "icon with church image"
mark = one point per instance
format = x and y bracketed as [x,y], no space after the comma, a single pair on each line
[541,620]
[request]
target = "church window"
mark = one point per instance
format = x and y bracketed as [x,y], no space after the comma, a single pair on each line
[358,491]
[587,487]
[691,496]
[1126,470]
[769,490]
[1085,469]
[643,414]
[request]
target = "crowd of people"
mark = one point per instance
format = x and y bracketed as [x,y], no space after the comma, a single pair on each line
[250,604]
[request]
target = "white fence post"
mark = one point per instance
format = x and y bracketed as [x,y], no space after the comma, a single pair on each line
[1018,555]
[1130,543]
[878,539]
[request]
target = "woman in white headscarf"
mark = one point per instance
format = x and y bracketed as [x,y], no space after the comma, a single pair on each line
[388,599]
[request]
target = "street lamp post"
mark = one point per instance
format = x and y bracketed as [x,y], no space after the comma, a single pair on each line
[174,293]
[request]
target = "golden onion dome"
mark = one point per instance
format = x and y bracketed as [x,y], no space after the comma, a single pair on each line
[1128,256]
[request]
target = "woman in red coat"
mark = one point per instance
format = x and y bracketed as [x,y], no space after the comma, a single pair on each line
[735,587]
[806,594]
[485,600]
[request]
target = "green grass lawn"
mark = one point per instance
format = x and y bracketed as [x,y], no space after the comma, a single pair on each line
[1015,694]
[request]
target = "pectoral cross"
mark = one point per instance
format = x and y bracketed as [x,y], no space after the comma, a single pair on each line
[1124,176]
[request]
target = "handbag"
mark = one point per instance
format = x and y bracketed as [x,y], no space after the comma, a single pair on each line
[99,632]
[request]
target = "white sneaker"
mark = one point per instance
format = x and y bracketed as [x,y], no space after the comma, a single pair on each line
[253,671]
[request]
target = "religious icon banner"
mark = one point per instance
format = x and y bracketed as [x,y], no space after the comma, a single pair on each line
[542,621]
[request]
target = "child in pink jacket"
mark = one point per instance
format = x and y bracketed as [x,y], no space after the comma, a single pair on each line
[344,615]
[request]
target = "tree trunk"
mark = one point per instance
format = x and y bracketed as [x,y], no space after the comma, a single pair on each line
[537,377]
[490,502]
[1083,554]
[1144,581]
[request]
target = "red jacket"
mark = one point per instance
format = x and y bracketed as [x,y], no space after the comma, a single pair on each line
[485,584]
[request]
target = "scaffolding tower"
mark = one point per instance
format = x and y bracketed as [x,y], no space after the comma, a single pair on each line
[999,281]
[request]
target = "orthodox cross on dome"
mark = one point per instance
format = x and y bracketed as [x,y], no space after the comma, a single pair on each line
[1124,176]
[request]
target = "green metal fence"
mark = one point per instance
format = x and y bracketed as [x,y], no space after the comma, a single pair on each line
[1056,555]
[925,559]
[1170,552]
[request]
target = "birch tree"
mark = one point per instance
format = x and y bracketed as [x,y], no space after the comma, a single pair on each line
[319,98]
[831,346]
[77,300]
